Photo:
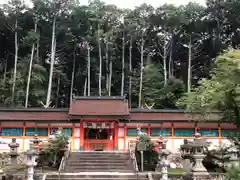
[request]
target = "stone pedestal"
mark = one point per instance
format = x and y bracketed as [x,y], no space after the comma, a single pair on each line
[13,151]
[163,153]
[30,163]
[164,164]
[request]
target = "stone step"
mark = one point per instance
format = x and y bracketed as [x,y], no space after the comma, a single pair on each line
[112,178]
[98,160]
[99,156]
[97,177]
[101,168]
[100,152]
[94,163]
[98,169]
[75,170]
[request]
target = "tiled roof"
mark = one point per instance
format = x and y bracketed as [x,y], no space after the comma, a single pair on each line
[99,106]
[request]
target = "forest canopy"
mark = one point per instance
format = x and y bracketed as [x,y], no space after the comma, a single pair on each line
[58,48]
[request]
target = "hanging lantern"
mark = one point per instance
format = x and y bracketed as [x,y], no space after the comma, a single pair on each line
[108,125]
[89,125]
[99,125]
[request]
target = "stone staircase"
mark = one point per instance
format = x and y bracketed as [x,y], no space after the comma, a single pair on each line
[99,161]
[98,177]
[99,165]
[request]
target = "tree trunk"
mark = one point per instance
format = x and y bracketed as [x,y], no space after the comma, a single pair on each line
[52,63]
[100,64]
[130,76]
[141,76]
[89,70]
[85,87]
[15,61]
[170,63]
[73,74]
[107,67]
[58,88]
[189,64]
[110,78]
[30,69]
[123,62]
[165,60]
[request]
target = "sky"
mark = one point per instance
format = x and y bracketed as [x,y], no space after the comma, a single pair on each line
[133,3]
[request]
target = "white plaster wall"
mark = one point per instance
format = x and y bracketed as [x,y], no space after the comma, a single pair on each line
[226,142]
[121,144]
[175,145]
[76,145]
[214,143]
[120,132]
[4,145]
[76,132]
[169,144]
[128,140]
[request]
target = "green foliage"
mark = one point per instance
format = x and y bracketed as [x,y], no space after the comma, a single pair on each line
[150,156]
[212,28]
[37,92]
[55,151]
[220,92]
[154,90]
[233,173]
[216,159]
[30,38]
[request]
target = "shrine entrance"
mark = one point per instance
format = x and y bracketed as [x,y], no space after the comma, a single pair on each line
[99,135]
[90,133]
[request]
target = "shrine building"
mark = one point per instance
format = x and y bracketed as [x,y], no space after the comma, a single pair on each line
[107,122]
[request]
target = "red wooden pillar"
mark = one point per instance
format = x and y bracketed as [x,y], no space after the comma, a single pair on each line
[81,134]
[219,134]
[115,135]
[125,134]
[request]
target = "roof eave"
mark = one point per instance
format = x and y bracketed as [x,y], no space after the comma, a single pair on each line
[99,98]
[34,109]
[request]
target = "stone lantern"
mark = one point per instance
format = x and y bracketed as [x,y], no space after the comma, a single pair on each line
[13,151]
[195,151]
[163,153]
[36,142]
[30,163]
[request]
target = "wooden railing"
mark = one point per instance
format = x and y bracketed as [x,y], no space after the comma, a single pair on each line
[98,144]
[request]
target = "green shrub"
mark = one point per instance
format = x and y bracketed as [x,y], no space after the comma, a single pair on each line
[150,156]
[233,173]
[55,150]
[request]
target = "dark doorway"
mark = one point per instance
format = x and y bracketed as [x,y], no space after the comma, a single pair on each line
[91,133]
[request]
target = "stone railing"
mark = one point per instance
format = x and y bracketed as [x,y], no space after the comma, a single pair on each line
[63,161]
[131,149]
